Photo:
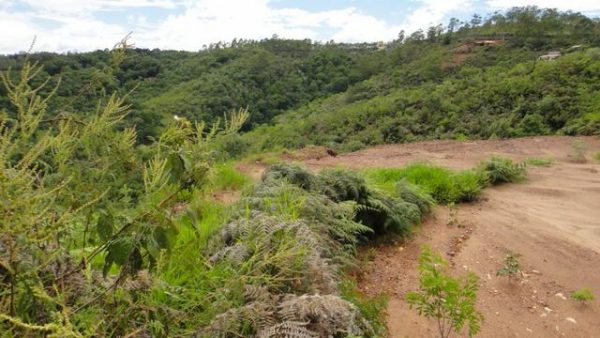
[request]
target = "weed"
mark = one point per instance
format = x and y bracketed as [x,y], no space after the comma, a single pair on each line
[453,216]
[540,161]
[597,157]
[583,295]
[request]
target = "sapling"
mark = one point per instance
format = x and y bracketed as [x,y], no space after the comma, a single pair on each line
[448,300]
[511,267]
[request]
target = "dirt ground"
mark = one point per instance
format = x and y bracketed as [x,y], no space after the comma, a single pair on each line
[552,220]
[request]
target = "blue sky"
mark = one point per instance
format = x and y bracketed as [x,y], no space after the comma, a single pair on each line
[82,25]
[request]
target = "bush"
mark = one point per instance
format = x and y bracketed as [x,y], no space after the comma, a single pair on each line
[500,170]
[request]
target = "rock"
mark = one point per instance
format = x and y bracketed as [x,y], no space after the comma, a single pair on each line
[536,272]
[547,309]
[560,295]
[528,330]
[572,320]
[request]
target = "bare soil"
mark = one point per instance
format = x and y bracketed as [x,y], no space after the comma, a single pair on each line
[552,220]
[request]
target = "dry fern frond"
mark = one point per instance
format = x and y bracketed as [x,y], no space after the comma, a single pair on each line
[288,330]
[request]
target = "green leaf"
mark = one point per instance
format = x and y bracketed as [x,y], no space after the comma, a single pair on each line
[104,225]
[176,167]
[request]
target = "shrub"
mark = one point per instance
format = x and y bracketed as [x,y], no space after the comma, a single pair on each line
[582,295]
[448,300]
[597,157]
[500,170]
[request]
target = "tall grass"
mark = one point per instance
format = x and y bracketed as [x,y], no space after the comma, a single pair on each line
[227,177]
[444,185]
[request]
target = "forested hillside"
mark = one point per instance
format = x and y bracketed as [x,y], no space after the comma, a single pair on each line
[112,163]
[475,79]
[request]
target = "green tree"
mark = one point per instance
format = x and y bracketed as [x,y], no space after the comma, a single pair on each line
[447,300]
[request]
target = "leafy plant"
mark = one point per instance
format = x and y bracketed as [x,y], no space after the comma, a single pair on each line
[597,157]
[583,295]
[511,266]
[447,300]
[500,170]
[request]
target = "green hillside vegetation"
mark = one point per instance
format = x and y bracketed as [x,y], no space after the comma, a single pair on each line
[108,218]
[443,82]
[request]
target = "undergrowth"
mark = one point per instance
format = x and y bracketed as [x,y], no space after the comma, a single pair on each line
[227,177]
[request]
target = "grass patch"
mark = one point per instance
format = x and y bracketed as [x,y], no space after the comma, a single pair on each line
[444,185]
[597,157]
[540,161]
[228,178]
[500,170]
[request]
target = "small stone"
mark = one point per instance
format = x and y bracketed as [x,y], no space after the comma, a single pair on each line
[547,309]
[529,330]
[544,314]
[560,295]
[489,276]
[572,320]
[536,272]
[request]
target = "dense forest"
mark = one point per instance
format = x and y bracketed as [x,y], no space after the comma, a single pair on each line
[109,161]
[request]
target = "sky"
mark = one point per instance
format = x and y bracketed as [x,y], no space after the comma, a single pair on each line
[84,25]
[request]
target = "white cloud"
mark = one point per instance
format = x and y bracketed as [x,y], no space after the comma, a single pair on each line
[586,6]
[198,22]
[435,11]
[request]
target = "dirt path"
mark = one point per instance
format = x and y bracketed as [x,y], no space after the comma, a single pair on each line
[552,220]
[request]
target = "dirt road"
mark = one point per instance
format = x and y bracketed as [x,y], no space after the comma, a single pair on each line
[552,220]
